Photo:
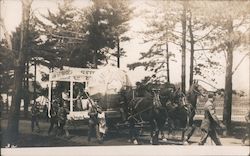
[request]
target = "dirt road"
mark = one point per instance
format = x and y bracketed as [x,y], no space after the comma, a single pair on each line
[79,137]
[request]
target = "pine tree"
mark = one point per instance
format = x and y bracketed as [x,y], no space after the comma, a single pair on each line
[160,34]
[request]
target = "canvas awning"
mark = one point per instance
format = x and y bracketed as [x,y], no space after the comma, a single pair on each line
[108,80]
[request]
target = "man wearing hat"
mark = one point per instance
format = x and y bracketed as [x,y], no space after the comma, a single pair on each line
[34,116]
[93,111]
[62,118]
[210,122]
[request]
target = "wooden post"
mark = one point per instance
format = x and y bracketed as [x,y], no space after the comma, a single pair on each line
[49,95]
[168,74]
[71,94]
[118,53]
[192,42]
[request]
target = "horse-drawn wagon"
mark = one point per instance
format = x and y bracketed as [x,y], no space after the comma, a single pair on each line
[121,108]
[85,85]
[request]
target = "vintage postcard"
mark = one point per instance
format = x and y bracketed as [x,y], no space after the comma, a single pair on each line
[124,77]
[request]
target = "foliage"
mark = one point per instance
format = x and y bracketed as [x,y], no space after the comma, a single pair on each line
[107,21]
[161,31]
[62,36]
[82,38]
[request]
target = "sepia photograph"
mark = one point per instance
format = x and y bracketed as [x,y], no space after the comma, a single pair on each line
[124,77]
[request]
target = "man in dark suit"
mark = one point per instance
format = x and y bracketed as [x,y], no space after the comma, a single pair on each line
[93,112]
[247,117]
[210,122]
[34,116]
[62,118]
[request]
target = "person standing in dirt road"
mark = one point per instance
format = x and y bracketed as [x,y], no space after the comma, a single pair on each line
[1,105]
[34,116]
[62,118]
[93,120]
[247,118]
[210,122]
[53,115]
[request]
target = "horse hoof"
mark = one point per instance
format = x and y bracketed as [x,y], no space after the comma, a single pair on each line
[164,139]
[185,143]
[185,138]
[135,142]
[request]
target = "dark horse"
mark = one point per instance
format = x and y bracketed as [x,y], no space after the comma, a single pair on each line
[148,109]
[191,98]
[181,110]
[163,105]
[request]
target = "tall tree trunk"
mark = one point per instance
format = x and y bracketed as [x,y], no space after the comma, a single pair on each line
[192,42]
[34,85]
[227,111]
[183,48]
[0,20]
[26,90]
[13,120]
[167,62]
[118,53]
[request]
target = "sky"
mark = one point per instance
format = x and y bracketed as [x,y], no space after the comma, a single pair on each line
[11,13]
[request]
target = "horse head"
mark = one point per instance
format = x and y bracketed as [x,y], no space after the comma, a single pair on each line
[195,90]
[156,97]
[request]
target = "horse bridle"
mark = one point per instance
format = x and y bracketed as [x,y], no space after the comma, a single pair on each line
[198,92]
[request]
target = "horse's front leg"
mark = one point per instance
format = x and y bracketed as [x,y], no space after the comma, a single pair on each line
[183,137]
[170,126]
[192,126]
[155,133]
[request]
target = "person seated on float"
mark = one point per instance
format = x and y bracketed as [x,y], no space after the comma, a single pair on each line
[65,97]
[78,101]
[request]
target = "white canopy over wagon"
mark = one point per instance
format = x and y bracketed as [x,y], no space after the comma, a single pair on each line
[105,85]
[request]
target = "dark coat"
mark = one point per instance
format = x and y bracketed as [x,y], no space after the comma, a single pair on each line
[93,113]
[210,120]
[62,114]
[35,110]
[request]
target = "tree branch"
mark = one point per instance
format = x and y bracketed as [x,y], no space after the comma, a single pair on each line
[198,39]
[59,36]
[240,62]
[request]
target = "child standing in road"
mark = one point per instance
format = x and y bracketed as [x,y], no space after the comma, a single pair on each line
[34,116]
[247,118]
